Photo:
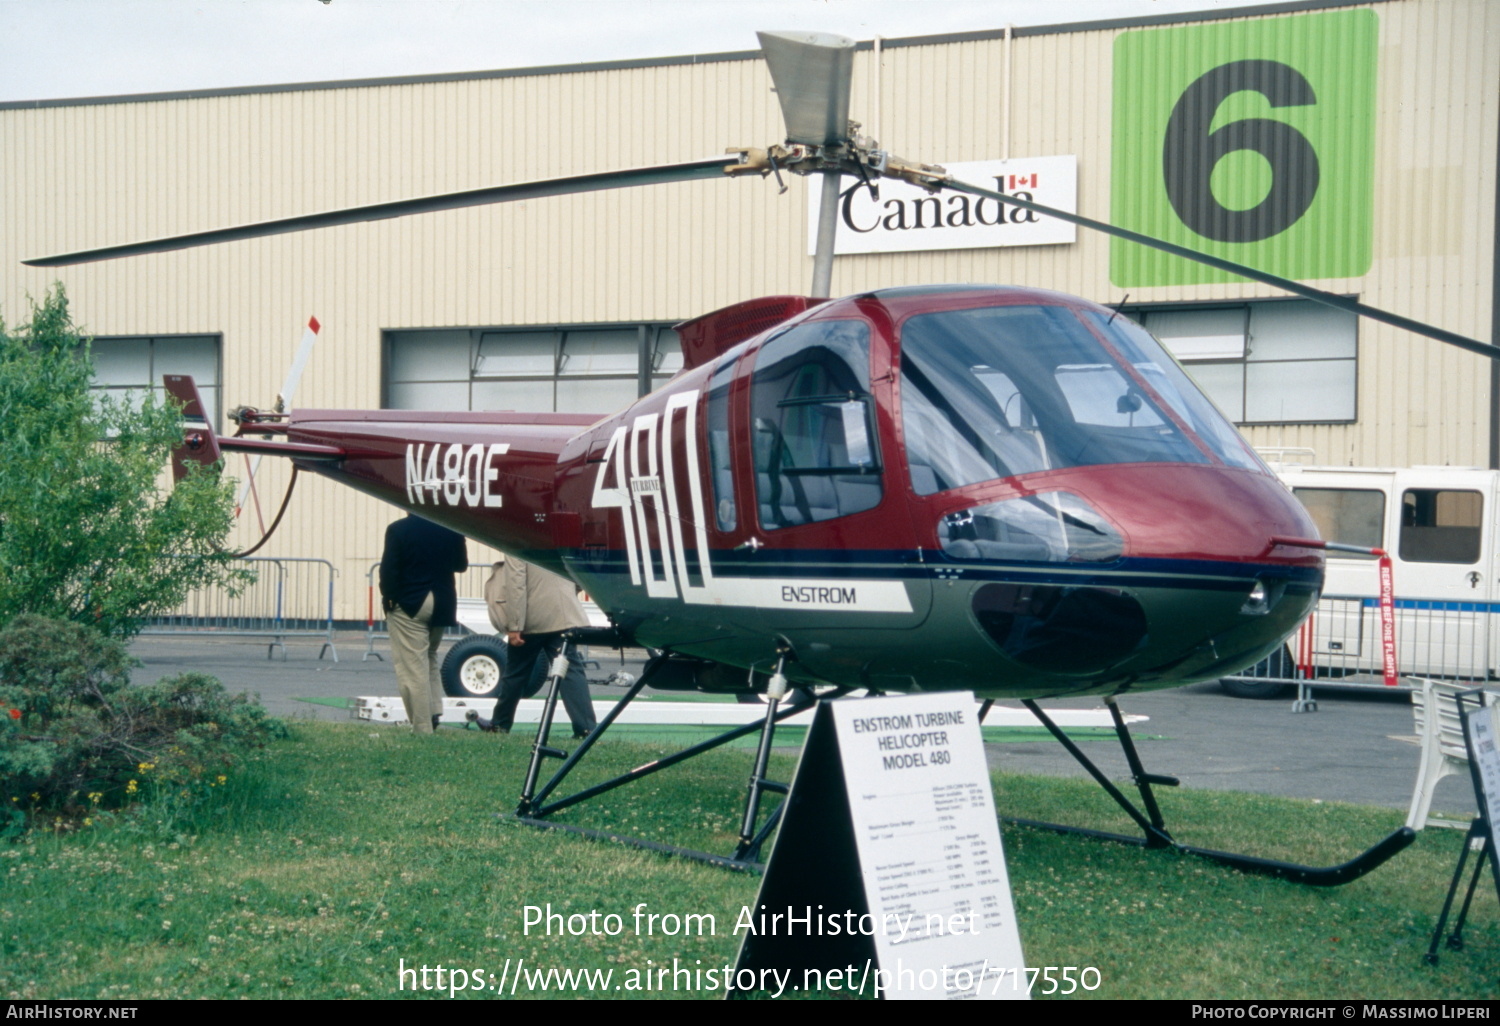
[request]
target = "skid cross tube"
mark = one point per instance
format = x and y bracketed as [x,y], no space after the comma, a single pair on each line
[749,846]
[1143,780]
[531,810]
[656,764]
[557,670]
[757,779]
[749,852]
[660,764]
[1156,836]
[528,800]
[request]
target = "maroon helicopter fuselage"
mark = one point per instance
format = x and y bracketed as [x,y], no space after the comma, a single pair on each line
[1004,490]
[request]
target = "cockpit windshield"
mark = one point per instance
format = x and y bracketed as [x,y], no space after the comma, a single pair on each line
[997,391]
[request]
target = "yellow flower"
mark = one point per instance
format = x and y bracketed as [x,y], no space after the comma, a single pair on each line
[94,796]
[130,788]
[146,767]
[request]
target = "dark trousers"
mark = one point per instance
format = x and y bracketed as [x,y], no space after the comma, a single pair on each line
[522,680]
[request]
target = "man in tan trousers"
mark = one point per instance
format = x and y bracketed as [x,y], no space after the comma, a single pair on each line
[532,607]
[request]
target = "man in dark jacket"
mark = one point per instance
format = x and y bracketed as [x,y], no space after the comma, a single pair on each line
[419,598]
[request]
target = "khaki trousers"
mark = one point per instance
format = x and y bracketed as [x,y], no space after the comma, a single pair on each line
[414,649]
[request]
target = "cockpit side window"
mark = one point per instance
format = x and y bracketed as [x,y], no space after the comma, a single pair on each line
[813,425]
[998,391]
[726,515]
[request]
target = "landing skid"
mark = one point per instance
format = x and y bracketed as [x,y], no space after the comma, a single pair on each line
[534,808]
[1155,834]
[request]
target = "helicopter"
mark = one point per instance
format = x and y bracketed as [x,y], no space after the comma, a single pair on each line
[1002,490]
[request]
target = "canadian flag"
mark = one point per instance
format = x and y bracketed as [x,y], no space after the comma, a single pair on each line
[1022,181]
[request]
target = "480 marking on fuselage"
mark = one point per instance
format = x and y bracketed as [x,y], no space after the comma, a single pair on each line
[666,540]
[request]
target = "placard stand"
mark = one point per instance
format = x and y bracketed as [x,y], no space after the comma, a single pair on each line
[888,873]
[1482,738]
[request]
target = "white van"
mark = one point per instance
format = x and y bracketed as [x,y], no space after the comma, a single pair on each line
[1439,525]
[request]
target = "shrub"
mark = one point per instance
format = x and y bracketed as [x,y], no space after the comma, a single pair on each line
[75,737]
[84,532]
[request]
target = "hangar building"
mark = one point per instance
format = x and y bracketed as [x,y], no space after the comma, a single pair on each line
[1367,130]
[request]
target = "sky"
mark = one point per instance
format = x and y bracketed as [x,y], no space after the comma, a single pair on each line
[51,49]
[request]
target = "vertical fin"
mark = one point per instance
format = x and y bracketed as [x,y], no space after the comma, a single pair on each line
[199,445]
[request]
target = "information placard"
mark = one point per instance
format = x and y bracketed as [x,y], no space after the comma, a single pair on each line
[929,844]
[890,858]
[1483,727]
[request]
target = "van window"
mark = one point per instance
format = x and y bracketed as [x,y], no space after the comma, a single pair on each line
[1348,515]
[1440,526]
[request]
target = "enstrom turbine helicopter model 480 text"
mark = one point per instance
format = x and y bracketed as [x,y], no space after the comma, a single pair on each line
[1004,490]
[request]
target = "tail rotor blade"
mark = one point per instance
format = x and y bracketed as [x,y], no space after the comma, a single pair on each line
[283,402]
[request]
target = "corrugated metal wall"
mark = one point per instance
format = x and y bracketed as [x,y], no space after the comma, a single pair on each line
[87,175]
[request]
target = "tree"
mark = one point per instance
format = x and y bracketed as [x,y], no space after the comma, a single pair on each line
[86,533]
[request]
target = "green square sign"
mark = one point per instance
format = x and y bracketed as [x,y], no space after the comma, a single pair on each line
[1249,140]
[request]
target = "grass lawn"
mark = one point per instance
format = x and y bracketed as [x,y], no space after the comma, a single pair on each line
[331,861]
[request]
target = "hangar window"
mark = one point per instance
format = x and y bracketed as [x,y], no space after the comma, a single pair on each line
[129,367]
[1279,362]
[582,369]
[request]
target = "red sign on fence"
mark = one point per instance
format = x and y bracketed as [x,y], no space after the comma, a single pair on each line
[1387,607]
[1387,619]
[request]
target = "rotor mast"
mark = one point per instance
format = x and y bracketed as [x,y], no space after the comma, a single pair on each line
[828,224]
[812,72]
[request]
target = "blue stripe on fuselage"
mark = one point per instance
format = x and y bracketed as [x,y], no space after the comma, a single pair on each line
[888,564]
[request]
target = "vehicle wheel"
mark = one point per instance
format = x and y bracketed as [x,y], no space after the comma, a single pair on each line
[473,667]
[1277,664]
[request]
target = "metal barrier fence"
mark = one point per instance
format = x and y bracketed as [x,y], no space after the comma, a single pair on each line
[1340,646]
[290,597]
[470,585]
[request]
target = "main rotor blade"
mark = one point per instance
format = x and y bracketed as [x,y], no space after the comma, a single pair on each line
[1332,299]
[812,72]
[712,167]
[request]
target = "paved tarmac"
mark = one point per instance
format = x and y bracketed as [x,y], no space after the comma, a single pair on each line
[290,676]
[1347,751]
